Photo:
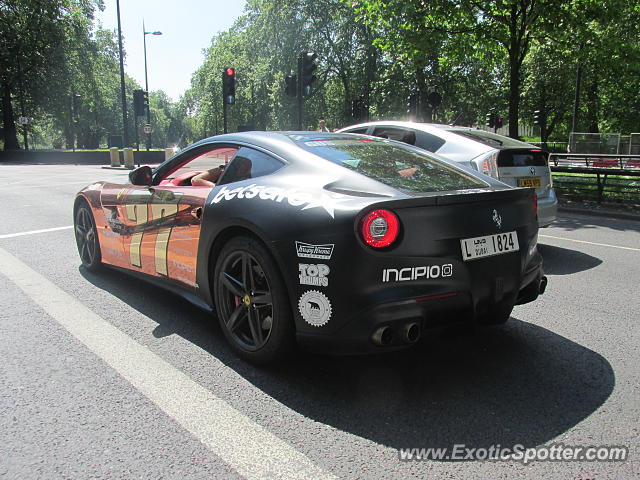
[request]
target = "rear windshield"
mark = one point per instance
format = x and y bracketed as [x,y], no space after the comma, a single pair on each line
[522,158]
[491,139]
[393,165]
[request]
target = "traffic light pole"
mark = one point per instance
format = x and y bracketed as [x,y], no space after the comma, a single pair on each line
[125,127]
[146,86]
[299,95]
[224,114]
[135,129]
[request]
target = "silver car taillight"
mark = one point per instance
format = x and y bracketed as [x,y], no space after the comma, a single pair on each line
[489,164]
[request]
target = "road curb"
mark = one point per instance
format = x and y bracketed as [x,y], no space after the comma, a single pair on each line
[600,213]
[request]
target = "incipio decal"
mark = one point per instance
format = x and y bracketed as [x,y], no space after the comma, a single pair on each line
[311,274]
[307,250]
[417,273]
[315,308]
[295,198]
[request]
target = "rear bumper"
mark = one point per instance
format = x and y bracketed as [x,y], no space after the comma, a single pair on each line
[400,320]
[547,209]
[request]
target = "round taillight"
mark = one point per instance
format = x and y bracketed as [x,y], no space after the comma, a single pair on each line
[379,228]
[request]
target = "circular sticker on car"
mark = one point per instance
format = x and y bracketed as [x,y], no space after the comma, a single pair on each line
[315,308]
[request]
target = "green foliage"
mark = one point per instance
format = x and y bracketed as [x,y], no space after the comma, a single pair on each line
[508,57]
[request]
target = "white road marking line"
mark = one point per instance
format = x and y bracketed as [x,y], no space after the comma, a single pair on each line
[591,243]
[250,449]
[33,232]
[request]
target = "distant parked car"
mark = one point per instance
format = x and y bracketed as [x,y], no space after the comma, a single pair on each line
[513,162]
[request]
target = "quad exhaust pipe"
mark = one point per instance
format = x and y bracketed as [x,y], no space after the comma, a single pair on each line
[411,332]
[384,336]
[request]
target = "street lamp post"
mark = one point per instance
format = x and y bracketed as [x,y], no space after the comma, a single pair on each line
[125,133]
[146,78]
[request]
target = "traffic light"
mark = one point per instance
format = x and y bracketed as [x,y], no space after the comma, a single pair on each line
[491,120]
[76,101]
[229,85]
[433,97]
[539,118]
[308,68]
[145,101]
[499,122]
[412,105]
[138,103]
[290,85]
[358,109]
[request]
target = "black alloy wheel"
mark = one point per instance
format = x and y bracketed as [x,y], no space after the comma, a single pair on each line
[87,237]
[251,302]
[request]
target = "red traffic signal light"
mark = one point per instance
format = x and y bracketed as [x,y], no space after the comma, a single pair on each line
[229,85]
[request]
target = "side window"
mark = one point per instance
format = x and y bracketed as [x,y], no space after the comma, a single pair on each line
[195,162]
[395,133]
[361,131]
[249,163]
[428,142]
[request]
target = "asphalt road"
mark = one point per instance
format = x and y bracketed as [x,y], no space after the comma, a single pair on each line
[104,376]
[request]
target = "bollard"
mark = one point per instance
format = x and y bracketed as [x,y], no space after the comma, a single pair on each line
[168,152]
[128,158]
[114,155]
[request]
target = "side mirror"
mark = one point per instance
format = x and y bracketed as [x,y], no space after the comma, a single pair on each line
[141,176]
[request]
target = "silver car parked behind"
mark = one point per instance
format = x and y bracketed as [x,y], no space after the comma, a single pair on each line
[513,162]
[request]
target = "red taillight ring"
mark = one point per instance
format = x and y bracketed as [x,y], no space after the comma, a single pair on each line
[379,228]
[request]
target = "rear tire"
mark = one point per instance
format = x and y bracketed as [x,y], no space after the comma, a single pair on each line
[251,302]
[87,237]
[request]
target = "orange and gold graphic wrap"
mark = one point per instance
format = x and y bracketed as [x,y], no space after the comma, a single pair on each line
[152,230]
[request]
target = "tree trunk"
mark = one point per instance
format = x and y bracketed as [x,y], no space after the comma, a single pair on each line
[9,133]
[592,105]
[515,46]
[370,73]
[514,92]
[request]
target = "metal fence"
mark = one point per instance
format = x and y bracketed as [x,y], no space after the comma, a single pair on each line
[604,143]
[612,178]
[594,143]
[596,161]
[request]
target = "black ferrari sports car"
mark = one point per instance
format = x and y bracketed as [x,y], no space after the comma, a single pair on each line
[345,243]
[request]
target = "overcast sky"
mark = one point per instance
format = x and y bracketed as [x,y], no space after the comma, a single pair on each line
[187,27]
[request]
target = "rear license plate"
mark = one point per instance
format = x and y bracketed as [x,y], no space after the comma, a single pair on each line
[497,244]
[533,182]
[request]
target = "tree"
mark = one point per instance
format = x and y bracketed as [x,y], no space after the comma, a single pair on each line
[495,33]
[31,35]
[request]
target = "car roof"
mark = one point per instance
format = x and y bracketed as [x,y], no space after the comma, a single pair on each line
[286,145]
[448,133]
[275,139]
